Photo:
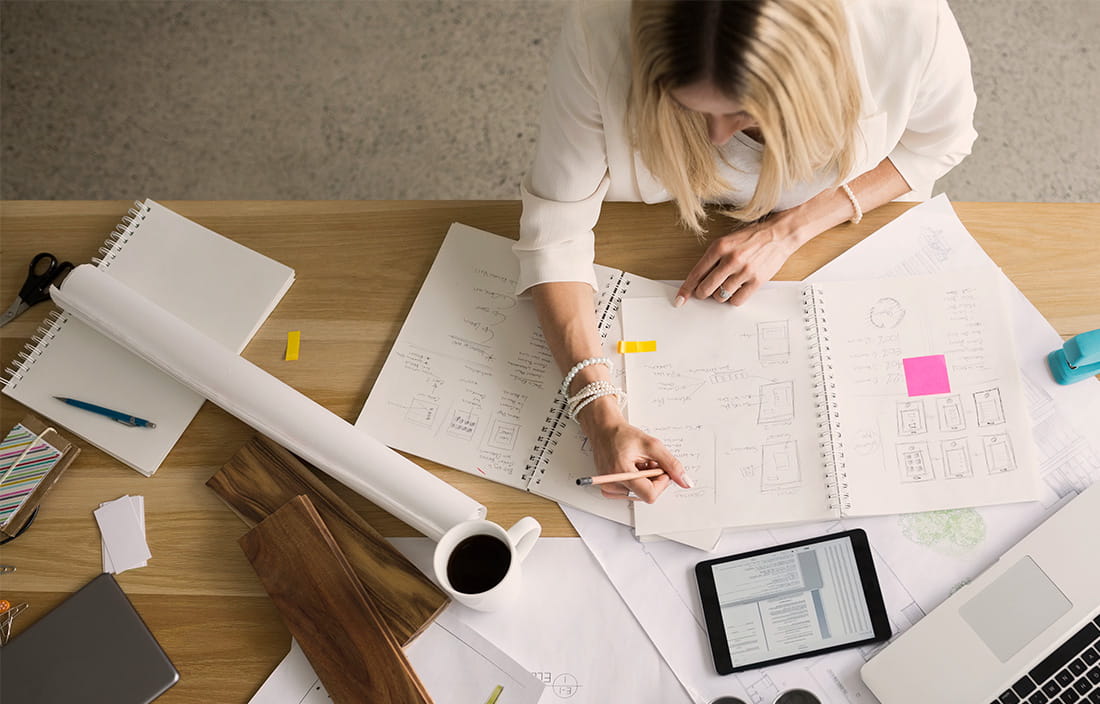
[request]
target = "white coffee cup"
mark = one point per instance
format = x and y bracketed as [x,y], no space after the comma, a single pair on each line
[478,563]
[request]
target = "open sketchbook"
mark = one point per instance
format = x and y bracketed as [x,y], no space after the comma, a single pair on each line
[222,288]
[832,399]
[471,384]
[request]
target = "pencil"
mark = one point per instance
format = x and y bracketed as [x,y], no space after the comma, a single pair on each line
[620,477]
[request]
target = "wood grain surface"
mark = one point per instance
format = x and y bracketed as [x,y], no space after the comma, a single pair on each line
[327,610]
[359,266]
[262,476]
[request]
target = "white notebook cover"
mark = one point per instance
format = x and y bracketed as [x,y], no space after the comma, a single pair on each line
[220,287]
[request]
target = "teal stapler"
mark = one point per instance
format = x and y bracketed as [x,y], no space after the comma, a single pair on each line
[1077,359]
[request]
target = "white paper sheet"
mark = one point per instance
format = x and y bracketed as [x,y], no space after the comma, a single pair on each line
[137,504]
[349,455]
[455,664]
[123,535]
[570,628]
[920,558]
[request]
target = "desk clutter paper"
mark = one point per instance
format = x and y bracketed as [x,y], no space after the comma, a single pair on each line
[122,527]
[920,558]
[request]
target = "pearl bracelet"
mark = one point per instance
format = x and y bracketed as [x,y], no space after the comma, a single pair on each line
[589,392]
[579,366]
[855,204]
[613,391]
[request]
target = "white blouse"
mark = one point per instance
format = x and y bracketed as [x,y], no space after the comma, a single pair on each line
[917,101]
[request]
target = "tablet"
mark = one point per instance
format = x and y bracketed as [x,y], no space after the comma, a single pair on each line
[791,601]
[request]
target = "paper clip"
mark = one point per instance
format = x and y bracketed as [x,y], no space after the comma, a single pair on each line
[7,569]
[6,619]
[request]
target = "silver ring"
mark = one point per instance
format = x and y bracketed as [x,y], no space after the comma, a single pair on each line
[723,293]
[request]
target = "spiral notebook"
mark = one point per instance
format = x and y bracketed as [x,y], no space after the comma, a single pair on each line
[847,398]
[471,384]
[222,288]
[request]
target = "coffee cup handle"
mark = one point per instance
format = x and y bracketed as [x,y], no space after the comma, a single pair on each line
[523,535]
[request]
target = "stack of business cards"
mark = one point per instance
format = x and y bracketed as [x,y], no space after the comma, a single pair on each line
[122,526]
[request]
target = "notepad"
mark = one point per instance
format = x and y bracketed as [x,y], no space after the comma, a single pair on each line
[220,287]
[834,399]
[470,382]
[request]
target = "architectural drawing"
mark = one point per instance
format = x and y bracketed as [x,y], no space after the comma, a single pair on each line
[911,420]
[915,462]
[422,411]
[502,435]
[779,466]
[886,313]
[776,402]
[462,424]
[956,459]
[773,342]
[989,407]
[998,453]
[950,413]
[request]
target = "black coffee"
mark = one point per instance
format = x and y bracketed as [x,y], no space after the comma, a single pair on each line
[478,563]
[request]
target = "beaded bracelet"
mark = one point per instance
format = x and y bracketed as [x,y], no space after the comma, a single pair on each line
[588,391]
[617,392]
[855,204]
[579,366]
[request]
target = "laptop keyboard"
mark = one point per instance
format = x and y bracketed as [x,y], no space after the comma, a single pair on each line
[1069,675]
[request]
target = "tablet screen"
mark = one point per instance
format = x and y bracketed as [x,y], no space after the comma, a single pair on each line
[790,601]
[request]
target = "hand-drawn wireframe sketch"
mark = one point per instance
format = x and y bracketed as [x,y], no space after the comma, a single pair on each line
[502,435]
[779,466]
[950,413]
[773,341]
[462,424]
[915,462]
[776,402]
[989,407]
[886,313]
[998,453]
[956,459]
[422,411]
[911,420]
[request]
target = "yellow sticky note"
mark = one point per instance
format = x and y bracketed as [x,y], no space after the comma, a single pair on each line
[630,346]
[293,341]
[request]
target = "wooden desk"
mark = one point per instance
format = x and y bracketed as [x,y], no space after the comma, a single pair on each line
[359,266]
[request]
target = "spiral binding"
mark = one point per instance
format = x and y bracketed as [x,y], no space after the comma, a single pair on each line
[39,343]
[41,340]
[829,433]
[121,235]
[607,308]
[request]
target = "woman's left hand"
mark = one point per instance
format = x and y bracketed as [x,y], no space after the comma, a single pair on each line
[736,265]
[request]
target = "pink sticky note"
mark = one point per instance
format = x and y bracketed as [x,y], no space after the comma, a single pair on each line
[926,375]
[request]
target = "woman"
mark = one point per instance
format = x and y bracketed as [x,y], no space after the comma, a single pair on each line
[809,112]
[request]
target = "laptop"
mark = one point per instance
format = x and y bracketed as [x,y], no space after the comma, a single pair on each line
[1026,630]
[93,648]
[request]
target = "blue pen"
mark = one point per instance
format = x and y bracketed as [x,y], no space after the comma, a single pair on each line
[124,418]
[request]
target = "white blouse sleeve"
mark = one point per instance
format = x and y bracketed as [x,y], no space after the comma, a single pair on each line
[940,129]
[564,189]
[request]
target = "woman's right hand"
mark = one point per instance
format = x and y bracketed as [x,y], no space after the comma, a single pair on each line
[617,446]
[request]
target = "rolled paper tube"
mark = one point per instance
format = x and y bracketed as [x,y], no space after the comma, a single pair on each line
[344,452]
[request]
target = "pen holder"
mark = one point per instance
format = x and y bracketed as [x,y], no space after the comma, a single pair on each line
[478,563]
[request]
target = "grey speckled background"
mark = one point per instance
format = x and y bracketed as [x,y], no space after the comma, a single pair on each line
[385,99]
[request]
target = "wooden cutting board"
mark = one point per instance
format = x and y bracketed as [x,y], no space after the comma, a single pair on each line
[263,476]
[327,610]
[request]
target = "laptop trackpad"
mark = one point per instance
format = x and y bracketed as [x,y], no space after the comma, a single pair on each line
[1016,607]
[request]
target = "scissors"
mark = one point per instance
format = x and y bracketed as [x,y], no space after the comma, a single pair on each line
[43,271]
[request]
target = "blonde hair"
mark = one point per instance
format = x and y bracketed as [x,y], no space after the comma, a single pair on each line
[788,64]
